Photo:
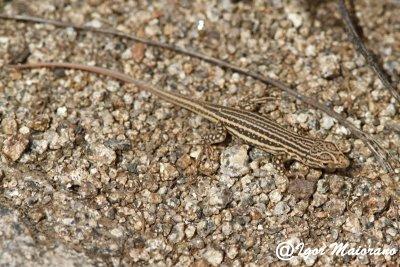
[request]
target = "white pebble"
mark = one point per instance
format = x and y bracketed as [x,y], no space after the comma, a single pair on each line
[281,208]
[213,256]
[24,130]
[275,196]
[311,51]
[302,117]
[296,19]
[234,161]
[327,122]
[329,66]
[117,232]
[390,111]
[62,112]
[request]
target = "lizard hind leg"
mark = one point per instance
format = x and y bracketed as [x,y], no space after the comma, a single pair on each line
[218,135]
[278,161]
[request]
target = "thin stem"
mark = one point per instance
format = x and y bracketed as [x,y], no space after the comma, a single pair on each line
[363,50]
[380,154]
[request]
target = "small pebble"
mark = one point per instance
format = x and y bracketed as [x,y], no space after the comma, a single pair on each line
[62,112]
[389,111]
[302,117]
[232,252]
[24,130]
[234,161]
[40,146]
[168,171]
[275,196]
[296,19]
[301,189]
[327,122]
[14,147]
[352,225]
[117,232]
[329,66]
[9,126]
[281,208]
[138,51]
[213,256]
[102,155]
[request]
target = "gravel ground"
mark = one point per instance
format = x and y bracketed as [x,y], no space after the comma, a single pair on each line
[94,174]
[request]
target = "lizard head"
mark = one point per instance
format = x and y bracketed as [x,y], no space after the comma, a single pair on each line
[326,155]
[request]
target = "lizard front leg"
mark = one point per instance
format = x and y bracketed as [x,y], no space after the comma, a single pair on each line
[217,135]
[281,163]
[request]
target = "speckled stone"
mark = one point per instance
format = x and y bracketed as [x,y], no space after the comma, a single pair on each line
[234,161]
[281,208]
[102,155]
[9,125]
[14,146]
[329,65]
[213,256]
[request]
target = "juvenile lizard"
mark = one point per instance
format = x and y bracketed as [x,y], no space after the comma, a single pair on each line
[252,128]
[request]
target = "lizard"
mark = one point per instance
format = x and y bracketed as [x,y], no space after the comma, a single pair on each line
[252,128]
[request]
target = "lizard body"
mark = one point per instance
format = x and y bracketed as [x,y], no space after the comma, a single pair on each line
[252,128]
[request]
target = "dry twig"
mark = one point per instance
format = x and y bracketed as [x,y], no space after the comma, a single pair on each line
[363,50]
[380,154]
